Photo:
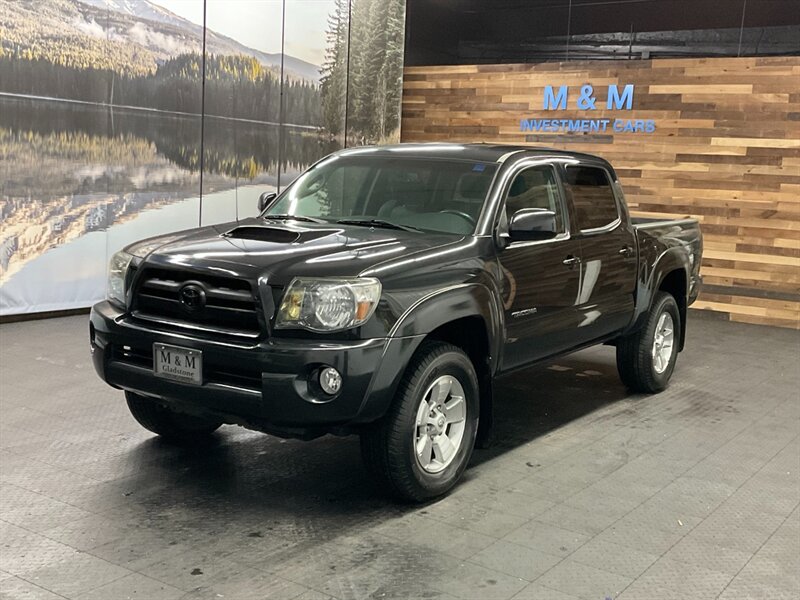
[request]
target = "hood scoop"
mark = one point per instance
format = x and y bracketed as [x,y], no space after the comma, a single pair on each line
[263,234]
[276,235]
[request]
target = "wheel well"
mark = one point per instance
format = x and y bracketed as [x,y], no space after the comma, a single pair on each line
[674,283]
[469,334]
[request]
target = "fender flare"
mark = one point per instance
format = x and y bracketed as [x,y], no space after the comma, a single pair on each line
[450,304]
[420,319]
[672,259]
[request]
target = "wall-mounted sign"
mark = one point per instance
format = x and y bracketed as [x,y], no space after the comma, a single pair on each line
[616,99]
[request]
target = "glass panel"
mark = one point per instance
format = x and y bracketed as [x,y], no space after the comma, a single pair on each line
[771,28]
[653,29]
[121,166]
[535,188]
[315,82]
[510,31]
[54,203]
[592,196]
[54,157]
[477,32]
[242,106]
[154,120]
[376,71]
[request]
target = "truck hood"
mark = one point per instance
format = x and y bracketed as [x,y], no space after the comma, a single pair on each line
[256,248]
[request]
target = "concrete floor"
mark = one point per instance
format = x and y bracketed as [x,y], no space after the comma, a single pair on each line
[590,493]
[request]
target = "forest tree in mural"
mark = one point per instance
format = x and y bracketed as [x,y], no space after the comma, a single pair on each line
[367,75]
[333,83]
[236,86]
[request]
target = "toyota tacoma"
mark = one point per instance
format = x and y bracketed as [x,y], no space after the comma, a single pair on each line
[384,291]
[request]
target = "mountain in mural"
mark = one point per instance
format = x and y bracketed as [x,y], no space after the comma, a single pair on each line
[87,52]
[143,9]
[123,35]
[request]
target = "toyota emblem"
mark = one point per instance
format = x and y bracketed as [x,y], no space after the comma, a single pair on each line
[192,296]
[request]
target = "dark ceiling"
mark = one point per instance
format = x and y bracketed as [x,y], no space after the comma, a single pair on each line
[463,31]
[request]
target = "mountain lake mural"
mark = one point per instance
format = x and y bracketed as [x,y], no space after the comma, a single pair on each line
[106,136]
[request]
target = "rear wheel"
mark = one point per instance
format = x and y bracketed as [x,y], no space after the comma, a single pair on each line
[646,358]
[173,426]
[420,449]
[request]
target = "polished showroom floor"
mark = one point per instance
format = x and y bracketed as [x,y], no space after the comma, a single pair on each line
[589,493]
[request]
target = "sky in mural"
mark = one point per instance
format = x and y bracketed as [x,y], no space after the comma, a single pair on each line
[243,20]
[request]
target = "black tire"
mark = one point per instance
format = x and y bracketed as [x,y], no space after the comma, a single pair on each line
[635,351]
[172,426]
[388,446]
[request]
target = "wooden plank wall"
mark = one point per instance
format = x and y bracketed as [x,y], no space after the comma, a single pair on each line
[726,151]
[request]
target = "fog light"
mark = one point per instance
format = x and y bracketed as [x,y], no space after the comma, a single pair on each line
[330,380]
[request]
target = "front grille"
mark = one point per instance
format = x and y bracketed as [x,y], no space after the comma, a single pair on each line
[133,356]
[216,305]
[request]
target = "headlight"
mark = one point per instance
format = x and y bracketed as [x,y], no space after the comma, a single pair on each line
[117,269]
[328,304]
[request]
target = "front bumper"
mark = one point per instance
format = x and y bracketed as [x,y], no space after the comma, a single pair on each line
[266,386]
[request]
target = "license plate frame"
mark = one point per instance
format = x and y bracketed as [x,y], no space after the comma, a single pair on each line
[184,365]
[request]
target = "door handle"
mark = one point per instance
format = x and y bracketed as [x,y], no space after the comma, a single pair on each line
[626,251]
[571,261]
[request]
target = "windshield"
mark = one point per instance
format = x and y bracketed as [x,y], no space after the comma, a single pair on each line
[402,192]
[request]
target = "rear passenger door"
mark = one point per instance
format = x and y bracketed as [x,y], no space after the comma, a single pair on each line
[539,278]
[608,252]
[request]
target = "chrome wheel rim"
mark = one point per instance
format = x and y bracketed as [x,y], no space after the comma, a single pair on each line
[663,343]
[440,423]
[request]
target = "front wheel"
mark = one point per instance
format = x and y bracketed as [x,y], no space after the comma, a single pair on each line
[421,447]
[646,358]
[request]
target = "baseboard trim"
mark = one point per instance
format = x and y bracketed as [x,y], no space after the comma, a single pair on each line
[51,314]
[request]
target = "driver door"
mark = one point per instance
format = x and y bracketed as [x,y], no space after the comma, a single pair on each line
[539,278]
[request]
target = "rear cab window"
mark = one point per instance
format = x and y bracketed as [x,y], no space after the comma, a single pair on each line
[593,197]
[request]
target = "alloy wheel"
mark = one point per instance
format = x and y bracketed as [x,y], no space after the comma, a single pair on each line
[440,424]
[663,342]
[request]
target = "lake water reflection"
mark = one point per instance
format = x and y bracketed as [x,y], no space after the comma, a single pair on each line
[79,182]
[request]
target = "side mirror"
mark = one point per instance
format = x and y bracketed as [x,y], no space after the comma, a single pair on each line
[533,224]
[265,199]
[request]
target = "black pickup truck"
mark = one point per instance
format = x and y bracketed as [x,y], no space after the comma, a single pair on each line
[384,291]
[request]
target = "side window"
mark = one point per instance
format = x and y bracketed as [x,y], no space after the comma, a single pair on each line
[593,197]
[535,188]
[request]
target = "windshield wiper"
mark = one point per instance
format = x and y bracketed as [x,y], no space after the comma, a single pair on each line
[378,223]
[293,217]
